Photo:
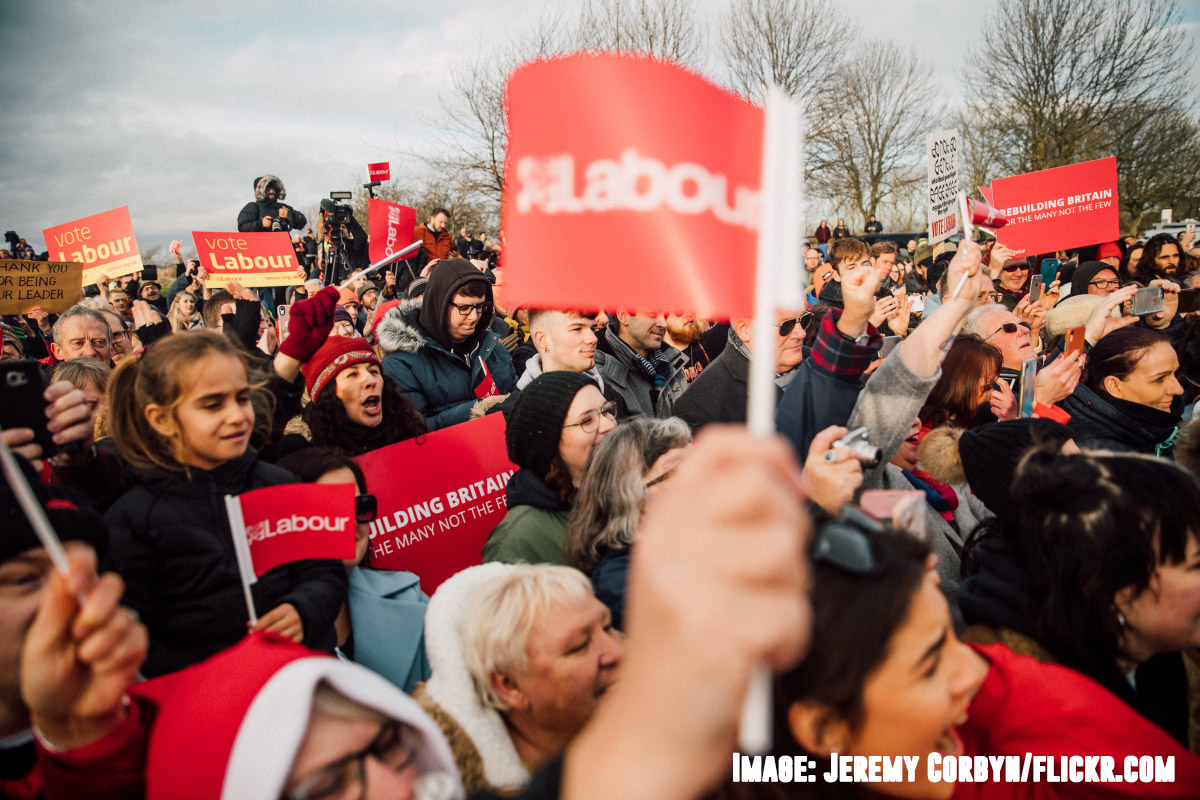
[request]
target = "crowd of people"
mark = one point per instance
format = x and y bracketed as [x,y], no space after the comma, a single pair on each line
[1027,580]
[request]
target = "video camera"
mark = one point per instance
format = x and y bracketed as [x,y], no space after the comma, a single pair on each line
[337,214]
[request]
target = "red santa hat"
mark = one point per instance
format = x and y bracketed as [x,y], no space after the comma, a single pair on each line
[230,726]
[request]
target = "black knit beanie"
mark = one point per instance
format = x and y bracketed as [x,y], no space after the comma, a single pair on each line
[536,419]
[69,512]
[991,454]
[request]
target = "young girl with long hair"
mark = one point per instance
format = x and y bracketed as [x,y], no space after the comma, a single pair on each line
[182,413]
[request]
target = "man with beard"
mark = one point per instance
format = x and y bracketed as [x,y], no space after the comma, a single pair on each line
[700,341]
[646,372]
[719,394]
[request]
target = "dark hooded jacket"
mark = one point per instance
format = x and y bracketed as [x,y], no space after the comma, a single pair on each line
[439,376]
[169,539]
[1100,422]
[1084,274]
[251,216]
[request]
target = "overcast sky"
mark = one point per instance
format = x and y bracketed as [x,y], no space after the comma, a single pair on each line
[174,108]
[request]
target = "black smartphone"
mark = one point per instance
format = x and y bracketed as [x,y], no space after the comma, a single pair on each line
[22,404]
[1189,301]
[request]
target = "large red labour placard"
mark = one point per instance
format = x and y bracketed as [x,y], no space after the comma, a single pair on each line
[391,225]
[630,182]
[439,497]
[104,243]
[1060,208]
[251,259]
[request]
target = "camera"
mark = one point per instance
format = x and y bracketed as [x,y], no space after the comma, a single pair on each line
[858,440]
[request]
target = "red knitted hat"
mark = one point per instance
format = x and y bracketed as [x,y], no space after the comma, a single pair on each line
[335,355]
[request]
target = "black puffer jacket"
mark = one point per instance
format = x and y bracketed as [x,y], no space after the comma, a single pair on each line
[1104,423]
[170,541]
[251,216]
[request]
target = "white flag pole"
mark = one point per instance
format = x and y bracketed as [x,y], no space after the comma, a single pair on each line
[33,510]
[383,262]
[241,548]
[779,280]
[968,233]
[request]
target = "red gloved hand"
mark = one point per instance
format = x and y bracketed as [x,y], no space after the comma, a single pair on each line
[309,324]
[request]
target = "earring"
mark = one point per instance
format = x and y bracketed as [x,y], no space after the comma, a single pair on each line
[1121,619]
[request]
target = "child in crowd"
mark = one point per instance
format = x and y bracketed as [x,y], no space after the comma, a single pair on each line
[182,413]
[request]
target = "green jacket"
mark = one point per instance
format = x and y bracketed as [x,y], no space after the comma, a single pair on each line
[532,531]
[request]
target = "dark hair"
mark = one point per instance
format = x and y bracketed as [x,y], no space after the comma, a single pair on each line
[954,399]
[332,427]
[311,463]
[1118,354]
[1187,347]
[437,211]
[1083,528]
[1147,267]
[1125,269]
[473,288]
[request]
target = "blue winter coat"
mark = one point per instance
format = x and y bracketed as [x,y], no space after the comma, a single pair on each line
[439,382]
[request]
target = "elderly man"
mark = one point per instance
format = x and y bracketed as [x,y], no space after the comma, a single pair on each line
[521,655]
[82,332]
[719,393]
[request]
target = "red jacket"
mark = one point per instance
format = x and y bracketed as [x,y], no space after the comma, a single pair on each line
[435,245]
[1026,706]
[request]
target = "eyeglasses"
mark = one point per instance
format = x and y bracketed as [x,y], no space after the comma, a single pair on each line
[470,309]
[395,747]
[365,507]
[1010,327]
[991,297]
[591,419]
[788,325]
[1106,283]
[1016,268]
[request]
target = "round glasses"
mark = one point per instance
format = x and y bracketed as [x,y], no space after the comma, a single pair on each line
[590,421]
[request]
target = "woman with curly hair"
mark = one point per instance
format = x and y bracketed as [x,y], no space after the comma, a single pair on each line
[353,407]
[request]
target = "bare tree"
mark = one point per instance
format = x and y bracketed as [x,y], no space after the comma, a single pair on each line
[794,44]
[661,28]
[1158,162]
[1050,73]
[874,146]
[979,146]
[477,136]
[426,194]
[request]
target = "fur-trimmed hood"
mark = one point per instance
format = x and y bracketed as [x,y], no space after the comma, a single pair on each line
[399,331]
[451,687]
[260,187]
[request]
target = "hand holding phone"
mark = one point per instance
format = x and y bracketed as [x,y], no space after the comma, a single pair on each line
[1148,301]
[1073,343]
[1035,288]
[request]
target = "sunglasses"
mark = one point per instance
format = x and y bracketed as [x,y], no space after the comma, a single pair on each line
[1016,268]
[365,508]
[1010,327]
[788,325]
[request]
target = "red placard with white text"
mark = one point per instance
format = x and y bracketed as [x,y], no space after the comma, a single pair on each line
[1060,208]
[251,259]
[653,189]
[391,225]
[104,243]
[381,171]
[297,521]
[439,497]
